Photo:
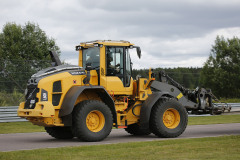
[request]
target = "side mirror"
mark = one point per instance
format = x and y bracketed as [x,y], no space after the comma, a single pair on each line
[138,51]
[88,68]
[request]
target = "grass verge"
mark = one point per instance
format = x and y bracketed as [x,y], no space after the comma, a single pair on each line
[23,127]
[219,148]
[218,119]
[230,100]
[19,127]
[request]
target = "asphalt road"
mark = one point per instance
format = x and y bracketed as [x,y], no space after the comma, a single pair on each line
[29,141]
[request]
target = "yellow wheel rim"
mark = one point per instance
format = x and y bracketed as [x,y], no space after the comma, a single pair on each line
[95,121]
[171,118]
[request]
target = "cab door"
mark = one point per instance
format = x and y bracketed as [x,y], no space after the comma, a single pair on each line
[118,71]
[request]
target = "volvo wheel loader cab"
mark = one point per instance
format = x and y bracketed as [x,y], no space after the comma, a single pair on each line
[87,100]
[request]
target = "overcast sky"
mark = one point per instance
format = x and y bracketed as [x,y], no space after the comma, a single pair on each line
[171,33]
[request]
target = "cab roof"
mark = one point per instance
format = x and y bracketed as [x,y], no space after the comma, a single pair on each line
[101,43]
[107,42]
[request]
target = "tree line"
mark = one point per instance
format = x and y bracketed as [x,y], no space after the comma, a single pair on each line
[24,50]
[187,77]
[220,73]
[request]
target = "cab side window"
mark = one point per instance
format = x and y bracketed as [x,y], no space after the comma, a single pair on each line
[119,64]
[115,61]
[128,70]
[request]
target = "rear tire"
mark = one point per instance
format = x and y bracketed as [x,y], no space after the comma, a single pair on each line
[92,121]
[168,118]
[135,129]
[60,132]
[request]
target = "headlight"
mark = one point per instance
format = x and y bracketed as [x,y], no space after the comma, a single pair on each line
[32,101]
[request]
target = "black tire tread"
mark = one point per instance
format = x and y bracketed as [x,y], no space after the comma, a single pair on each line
[60,132]
[154,118]
[76,110]
[77,118]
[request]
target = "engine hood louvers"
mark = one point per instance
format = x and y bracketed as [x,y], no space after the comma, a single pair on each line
[52,70]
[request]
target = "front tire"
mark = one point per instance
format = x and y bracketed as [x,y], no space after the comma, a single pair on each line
[60,132]
[92,121]
[168,118]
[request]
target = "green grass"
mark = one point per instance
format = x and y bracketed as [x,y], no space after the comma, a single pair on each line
[19,127]
[219,119]
[231,100]
[23,127]
[219,148]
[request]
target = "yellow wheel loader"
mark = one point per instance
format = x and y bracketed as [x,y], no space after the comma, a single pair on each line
[88,100]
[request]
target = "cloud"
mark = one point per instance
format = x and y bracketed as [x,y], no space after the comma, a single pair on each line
[170,33]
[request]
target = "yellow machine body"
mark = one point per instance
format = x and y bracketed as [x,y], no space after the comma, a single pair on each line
[127,99]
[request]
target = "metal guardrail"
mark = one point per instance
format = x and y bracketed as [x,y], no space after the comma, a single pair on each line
[9,114]
[231,104]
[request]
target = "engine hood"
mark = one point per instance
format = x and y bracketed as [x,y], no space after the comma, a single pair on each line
[72,69]
[57,69]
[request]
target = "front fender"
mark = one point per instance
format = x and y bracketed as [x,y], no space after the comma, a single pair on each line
[72,95]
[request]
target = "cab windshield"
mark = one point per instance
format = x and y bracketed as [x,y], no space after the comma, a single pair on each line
[91,55]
